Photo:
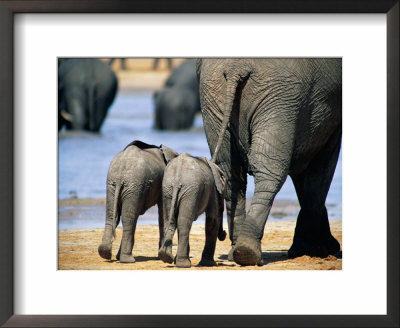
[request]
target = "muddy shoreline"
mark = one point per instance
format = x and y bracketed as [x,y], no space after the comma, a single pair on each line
[280,208]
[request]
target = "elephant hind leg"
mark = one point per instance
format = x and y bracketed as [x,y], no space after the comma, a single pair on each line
[312,234]
[165,249]
[184,224]
[212,227]
[105,248]
[129,214]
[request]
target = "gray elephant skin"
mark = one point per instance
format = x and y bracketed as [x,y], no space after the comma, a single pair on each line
[178,102]
[86,89]
[192,186]
[272,118]
[134,183]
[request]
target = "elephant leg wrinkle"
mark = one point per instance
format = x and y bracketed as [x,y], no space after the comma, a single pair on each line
[247,250]
[128,240]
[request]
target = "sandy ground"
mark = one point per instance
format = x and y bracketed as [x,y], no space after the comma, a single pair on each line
[78,248]
[139,74]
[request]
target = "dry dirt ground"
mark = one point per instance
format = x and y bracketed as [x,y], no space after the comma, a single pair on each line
[139,74]
[77,250]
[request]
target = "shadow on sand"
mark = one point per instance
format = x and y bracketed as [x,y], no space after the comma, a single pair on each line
[137,259]
[268,257]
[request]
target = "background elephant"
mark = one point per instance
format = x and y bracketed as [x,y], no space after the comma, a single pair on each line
[192,185]
[133,185]
[178,102]
[272,118]
[86,89]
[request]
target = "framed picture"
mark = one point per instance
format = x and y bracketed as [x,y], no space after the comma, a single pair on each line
[39,290]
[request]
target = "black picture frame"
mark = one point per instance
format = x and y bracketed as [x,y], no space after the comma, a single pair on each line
[7,10]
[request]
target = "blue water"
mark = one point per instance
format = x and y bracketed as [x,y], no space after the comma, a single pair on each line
[84,158]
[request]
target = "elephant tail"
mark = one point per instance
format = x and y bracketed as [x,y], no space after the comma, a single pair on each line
[115,209]
[221,232]
[175,190]
[229,98]
[171,214]
[92,114]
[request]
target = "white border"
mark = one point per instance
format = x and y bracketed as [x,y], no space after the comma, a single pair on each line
[360,288]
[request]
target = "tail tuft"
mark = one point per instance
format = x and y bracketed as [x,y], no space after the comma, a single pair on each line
[221,235]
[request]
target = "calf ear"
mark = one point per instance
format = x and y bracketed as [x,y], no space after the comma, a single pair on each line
[168,153]
[218,177]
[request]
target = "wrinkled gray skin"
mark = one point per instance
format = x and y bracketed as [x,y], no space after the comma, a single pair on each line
[86,89]
[272,118]
[133,185]
[192,186]
[178,102]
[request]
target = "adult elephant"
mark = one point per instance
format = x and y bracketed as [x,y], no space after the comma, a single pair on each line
[178,102]
[272,118]
[86,89]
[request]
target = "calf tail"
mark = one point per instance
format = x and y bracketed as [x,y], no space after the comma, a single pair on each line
[171,214]
[116,214]
[221,232]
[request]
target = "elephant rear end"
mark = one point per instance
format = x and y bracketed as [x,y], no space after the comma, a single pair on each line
[133,185]
[86,89]
[179,101]
[175,108]
[191,186]
[272,118]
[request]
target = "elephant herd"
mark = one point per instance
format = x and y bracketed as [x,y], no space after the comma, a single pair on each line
[270,118]
[87,87]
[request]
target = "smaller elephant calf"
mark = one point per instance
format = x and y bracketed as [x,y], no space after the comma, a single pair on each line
[133,185]
[191,186]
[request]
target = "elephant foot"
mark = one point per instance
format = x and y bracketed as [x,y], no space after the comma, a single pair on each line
[302,246]
[332,245]
[247,252]
[126,259]
[165,256]
[230,254]
[207,263]
[105,251]
[182,262]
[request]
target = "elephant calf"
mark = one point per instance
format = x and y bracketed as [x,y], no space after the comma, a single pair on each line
[191,186]
[133,185]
